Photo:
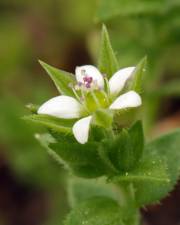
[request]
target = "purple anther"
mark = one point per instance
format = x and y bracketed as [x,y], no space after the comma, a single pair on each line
[87,79]
[88,85]
[80,84]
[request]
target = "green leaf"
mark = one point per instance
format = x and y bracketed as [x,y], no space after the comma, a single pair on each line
[103,118]
[127,147]
[50,122]
[157,172]
[83,160]
[96,211]
[100,211]
[124,158]
[138,76]
[62,79]
[136,134]
[80,189]
[108,63]
[167,147]
[148,179]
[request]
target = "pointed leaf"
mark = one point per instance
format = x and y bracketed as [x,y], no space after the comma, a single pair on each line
[108,63]
[62,79]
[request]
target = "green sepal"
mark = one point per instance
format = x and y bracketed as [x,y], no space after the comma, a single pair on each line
[107,63]
[50,122]
[138,76]
[103,118]
[62,79]
[83,160]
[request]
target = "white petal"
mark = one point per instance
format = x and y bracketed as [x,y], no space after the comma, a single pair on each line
[61,106]
[91,71]
[81,129]
[118,80]
[127,100]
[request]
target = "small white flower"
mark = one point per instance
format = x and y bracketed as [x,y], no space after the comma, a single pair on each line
[89,82]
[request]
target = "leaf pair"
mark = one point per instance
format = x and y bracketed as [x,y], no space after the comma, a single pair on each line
[151,180]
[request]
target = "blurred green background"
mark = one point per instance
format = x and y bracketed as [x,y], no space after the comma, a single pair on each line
[65,34]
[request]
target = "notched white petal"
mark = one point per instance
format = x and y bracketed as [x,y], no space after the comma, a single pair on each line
[61,106]
[90,71]
[81,129]
[119,79]
[128,100]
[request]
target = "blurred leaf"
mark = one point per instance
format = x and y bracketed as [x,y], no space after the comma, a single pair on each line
[108,63]
[80,189]
[108,9]
[96,211]
[62,79]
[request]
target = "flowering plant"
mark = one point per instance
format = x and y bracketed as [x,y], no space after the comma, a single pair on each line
[95,131]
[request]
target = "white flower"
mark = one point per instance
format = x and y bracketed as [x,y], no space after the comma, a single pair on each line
[91,86]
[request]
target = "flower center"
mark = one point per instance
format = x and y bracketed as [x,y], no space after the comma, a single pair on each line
[88,81]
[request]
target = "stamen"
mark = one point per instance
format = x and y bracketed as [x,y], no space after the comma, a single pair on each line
[83,101]
[95,99]
[107,85]
[76,94]
[105,95]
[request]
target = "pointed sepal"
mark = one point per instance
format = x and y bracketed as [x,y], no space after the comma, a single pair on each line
[108,63]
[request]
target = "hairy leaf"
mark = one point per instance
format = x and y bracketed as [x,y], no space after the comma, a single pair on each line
[157,172]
